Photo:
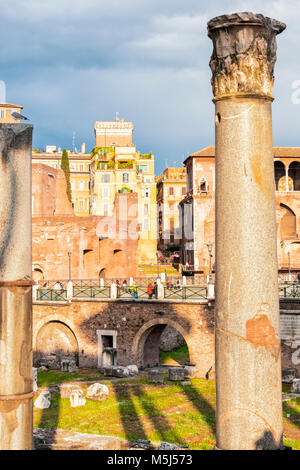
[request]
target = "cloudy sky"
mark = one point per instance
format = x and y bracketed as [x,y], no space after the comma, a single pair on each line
[72,62]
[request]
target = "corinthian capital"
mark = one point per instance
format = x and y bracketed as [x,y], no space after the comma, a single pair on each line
[244,54]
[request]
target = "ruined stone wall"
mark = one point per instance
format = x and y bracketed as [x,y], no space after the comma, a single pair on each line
[133,323]
[70,331]
[100,246]
[290,334]
[49,195]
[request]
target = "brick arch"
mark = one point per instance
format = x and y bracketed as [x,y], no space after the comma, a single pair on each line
[56,340]
[146,330]
[51,318]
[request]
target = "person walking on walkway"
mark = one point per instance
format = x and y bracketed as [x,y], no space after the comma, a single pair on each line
[133,291]
[155,290]
[150,290]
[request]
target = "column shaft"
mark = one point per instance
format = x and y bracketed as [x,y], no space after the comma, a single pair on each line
[248,359]
[248,365]
[15,288]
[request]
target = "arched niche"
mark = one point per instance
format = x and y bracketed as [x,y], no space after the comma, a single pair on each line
[294,174]
[288,227]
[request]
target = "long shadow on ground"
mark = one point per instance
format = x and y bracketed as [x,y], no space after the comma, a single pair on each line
[159,422]
[202,405]
[131,423]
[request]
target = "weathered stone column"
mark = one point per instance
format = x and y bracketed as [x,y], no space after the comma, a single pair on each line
[16,383]
[248,363]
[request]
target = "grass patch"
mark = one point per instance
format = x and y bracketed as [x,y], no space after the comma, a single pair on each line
[180,355]
[136,409]
[45,378]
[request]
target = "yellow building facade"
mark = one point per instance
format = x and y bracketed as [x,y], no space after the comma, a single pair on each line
[116,166]
[79,175]
[171,189]
[5,113]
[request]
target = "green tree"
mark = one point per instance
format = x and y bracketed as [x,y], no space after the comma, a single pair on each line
[65,165]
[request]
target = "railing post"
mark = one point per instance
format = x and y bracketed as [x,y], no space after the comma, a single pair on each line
[210,291]
[34,292]
[160,291]
[113,291]
[69,290]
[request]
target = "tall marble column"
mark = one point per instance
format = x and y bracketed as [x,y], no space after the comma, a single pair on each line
[16,383]
[248,363]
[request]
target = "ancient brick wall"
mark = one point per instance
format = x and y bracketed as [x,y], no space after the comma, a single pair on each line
[290,334]
[100,246]
[136,325]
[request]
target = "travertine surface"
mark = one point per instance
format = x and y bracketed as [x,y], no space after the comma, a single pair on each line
[244,53]
[248,363]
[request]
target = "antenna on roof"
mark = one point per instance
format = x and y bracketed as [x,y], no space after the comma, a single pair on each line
[73,141]
[2,92]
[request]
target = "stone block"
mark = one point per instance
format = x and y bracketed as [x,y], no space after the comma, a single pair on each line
[43,401]
[120,372]
[67,389]
[107,371]
[189,371]
[288,375]
[296,386]
[155,376]
[176,374]
[167,446]
[97,392]
[77,398]
[34,375]
[133,370]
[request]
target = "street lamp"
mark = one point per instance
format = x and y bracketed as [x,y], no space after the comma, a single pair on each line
[288,252]
[209,247]
[70,273]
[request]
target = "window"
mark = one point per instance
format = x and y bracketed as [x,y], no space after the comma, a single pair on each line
[171,191]
[142,168]
[2,114]
[147,192]
[125,177]
[146,209]
[105,193]
[81,185]
[183,191]
[105,209]
[81,167]
[106,178]
[146,224]
[81,204]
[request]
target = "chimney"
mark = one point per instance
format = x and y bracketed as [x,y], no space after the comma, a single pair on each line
[83,147]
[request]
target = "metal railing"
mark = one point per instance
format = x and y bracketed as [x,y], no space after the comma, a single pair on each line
[186,292]
[52,295]
[91,292]
[289,290]
[134,292]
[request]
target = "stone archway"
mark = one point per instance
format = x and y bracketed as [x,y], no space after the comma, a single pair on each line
[145,348]
[56,342]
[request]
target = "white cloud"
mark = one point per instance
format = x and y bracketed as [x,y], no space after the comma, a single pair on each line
[71,62]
